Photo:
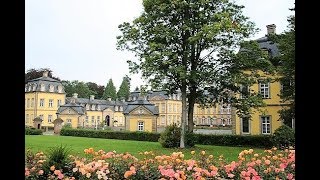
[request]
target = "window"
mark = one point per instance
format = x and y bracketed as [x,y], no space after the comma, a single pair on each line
[170,107]
[98,119]
[228,121]
[32,102]
[26,88]
[87,119]
[244,91]
[51,88]
[41,104]
[93,107]
[121,120]
[92,119]
[31,117]
[29,87]
[27,118]
[87,107]
[42,87]
[41,116]
[116,108]
[121,108]
[59,102]
[208,110]
[98,107]
[228,108]
[59,89]
[34,86]
[140,126]
[264,90]
[169,119]
[174,108]
[265,125]
[163,107]
[174,119]
[28,102]
[163,120]
[68,121]
[50,102]
[49,118]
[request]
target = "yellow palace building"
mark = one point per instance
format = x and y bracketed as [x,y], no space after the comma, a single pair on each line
[265,120]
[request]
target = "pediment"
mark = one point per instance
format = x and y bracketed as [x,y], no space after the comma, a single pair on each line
[140,110]
[69,111]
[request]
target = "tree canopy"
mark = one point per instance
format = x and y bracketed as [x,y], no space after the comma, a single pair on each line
[36,73]
[190,46]
[110,91]
[124,89]
[78,87]
[97,89]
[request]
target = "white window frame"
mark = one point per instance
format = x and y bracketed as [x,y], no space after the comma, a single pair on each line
[49,118]
[41,116]
[59,102]
[69,121]
[50,103]
[32,102]
[87,119]
[51,88]
[264,125]
[163,107]
[42,87]
[41,103]
[140,126]
[92,119]
[264,90]
[163,119]
[59,89]
[249,126]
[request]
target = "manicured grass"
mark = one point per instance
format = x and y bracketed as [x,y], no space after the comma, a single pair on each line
[77,144]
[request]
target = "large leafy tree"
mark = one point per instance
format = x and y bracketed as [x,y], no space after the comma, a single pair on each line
[189,45]
[110,91]
[36,73]
[78,87]
[97,89]
[286,69]
[124,89]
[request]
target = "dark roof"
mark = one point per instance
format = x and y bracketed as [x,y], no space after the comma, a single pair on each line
[265,43]
[76,107]
[35,85]
[141,102]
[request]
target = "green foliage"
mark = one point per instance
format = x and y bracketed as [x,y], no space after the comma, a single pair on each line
[78,87]
[170,137]
[97,89]
[36,73]
[58,157]
[67,125]
[261,141]
[124,89]
[125,135]
[110,91]
[32,131]
[169,37]
[283,137]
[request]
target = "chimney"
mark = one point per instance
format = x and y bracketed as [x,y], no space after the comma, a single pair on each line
[271,29]
[75,95]
[91,97]
[45,74]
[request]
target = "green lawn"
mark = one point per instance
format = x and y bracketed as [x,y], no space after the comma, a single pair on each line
[77,144]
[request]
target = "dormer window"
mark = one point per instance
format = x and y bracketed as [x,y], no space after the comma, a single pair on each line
[174,97]
[98,108]
[34,87]
[59,89]
[116,108]
[29,87]
[42,87]
[93,107]
[87,107]
[51,88]
[26,88]
[121,108]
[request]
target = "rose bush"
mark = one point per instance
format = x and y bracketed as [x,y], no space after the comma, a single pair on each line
[271,164]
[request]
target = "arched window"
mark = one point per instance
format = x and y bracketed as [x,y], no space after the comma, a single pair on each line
[87,107]
[121,108]
[42,87]
[116,108]
[29,87]
[34,86]
[93,107]
[59,89]
[51,88]
[140,126]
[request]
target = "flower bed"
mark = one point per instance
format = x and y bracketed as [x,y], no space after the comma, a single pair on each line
[271,164]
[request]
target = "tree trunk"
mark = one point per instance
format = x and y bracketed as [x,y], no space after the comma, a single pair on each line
[183,117]
[191,101]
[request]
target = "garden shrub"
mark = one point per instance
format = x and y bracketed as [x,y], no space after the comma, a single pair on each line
[283,137]
[170,137]
[32,131]
[58,157]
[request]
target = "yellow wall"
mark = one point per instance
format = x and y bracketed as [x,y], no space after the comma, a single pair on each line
[120,118]
[36,110]
[273,106]
[133,124]
[95,115]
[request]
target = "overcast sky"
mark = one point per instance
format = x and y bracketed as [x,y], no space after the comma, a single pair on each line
[76,39]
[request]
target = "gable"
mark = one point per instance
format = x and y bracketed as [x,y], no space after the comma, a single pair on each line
[140,110]
[66,111]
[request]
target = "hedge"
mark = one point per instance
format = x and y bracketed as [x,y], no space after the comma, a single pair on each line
[32,131]
[124,135]
[260,141]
